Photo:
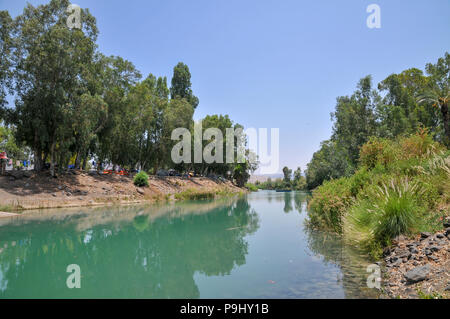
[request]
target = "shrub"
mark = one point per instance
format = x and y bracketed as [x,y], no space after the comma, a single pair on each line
[418,145]
[329,203]
[141,179]
[251,187]
[377,151]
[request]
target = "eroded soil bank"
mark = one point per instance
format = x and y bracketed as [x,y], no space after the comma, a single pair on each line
[29,190]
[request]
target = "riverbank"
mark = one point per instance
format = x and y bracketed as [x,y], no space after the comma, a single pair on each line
[24,190]
[419,267]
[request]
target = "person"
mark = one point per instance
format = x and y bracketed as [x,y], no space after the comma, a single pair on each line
[3,160]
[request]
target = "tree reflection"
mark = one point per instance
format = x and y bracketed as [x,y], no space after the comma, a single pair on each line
[142,257]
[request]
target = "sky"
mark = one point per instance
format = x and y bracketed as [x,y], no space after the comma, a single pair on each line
[271,64]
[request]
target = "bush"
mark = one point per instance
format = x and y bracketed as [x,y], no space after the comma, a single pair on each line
[329,203]
[377,151]
[251,187]
[141,179]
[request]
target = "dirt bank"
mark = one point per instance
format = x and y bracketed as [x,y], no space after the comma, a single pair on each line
[29,190]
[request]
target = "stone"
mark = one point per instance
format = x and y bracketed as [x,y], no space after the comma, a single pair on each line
[140,190]
[439,235]
[433,258]
[446,222]
[54,195]
[447,231]
[425,234]
[435,248]
[417,274]
[413,250]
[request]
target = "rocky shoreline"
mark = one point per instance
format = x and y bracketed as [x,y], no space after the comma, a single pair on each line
[419,267]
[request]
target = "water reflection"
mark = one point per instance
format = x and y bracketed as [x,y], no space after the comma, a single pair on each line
[144,257]
[352,263]
[251,247]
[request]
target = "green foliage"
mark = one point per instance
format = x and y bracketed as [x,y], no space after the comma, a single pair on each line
[141,179]
[397,189]
[404,103]
[327,163]
[74,103]
[328,204]
[251,187]
[194,194]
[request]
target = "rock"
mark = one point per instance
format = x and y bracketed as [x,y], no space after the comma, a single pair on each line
[428,252]
[447,288]
[402,253]
[433,258]
[12,179]
[60,187]
[413,250]
[446,222]
[440,236]
[140,190]
[417,274]
[27,174]
[399,239]
[435,248]
[54,195]
[447,231]
[425,234]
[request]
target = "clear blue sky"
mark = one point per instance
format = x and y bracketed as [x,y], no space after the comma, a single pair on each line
[271,63]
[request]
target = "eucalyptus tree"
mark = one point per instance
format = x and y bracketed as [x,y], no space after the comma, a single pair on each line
[181,85]
[5,58]
[355,119]
[50,63]
[437,91]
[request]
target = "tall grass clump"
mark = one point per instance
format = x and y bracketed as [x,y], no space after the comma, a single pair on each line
[392,209]
[141,179]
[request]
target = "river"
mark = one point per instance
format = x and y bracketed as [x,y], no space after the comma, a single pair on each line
[256,246]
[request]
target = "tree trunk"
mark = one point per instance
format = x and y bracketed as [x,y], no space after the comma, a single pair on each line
[445,121]
[37,160]
[77,161]
[85,159]
[52,159]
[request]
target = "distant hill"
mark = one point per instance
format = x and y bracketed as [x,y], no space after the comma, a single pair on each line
[262,178]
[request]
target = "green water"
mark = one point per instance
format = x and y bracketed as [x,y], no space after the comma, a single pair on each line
[252,247]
